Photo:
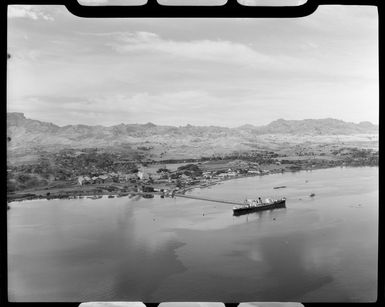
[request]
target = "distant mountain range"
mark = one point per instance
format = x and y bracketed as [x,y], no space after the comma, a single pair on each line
[23,132]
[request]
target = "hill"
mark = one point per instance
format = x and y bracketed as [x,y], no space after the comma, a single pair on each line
[26,136]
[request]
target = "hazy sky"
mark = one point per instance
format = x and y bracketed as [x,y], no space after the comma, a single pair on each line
[226,72]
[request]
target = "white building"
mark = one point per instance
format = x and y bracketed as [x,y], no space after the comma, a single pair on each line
[142,175]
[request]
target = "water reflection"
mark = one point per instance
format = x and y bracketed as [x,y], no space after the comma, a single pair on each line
[251,211]
[187,250]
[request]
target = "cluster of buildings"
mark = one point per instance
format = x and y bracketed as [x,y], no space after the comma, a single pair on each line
[145,177]
[82,180]
[105,178]
[230,173]
[120,177]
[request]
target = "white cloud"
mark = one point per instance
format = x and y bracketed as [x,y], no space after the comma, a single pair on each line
[222,72]
[206,50]
[27,11]
[201,107]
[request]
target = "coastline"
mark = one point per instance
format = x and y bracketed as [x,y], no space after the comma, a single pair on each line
[273,173]
[99,191]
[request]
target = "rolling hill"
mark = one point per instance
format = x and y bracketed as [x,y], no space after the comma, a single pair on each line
[26,135]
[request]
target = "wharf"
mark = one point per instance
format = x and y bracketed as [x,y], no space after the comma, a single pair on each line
[192,197]
[208,199]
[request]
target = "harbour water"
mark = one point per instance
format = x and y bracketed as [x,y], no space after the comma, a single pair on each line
[317,249]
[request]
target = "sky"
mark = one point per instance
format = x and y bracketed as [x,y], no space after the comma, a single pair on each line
[223,72]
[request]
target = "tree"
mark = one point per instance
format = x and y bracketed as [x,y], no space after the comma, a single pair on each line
[163,170]
[179,183]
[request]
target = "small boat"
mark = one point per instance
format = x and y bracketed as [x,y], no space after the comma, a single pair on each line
[111,196]
[280,187]
[258,205]
[122,194]
[312,195]
[148,195]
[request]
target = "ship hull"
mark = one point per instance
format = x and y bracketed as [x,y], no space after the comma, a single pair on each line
[246,209]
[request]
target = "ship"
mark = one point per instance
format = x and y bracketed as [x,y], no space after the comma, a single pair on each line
[252,205]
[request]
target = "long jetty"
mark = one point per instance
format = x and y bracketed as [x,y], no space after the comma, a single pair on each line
[209,199]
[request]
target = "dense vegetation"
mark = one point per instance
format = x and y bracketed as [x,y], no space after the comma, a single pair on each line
[190,170]
[67,165]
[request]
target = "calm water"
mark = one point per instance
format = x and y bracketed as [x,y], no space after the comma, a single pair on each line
[153,250]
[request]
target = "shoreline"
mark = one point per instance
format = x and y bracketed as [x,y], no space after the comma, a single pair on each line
[272,173]
[98,193]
